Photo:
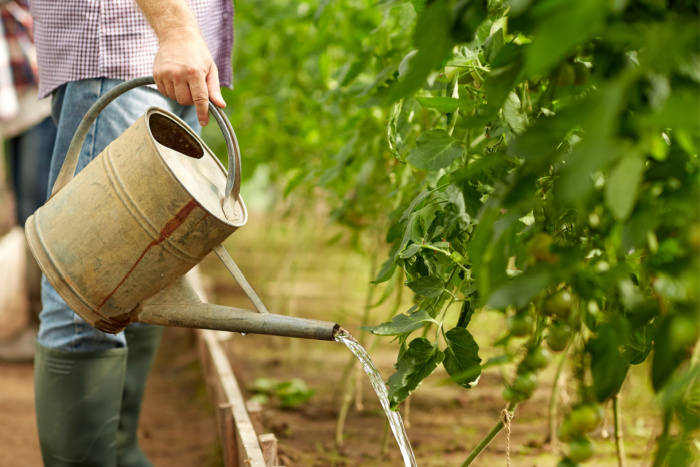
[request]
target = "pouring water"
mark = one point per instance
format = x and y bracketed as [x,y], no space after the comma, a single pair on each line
[375,378]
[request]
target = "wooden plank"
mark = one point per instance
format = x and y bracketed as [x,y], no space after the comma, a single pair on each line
[228,435]
[256,415]
[268,443]
[240,443]
[249,448]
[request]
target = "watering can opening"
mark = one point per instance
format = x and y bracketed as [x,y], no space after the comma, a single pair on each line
[199,172]
[171,135]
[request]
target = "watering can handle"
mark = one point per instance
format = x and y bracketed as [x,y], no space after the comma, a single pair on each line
[233,181]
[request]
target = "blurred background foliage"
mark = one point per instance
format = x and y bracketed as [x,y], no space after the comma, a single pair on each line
[534,157]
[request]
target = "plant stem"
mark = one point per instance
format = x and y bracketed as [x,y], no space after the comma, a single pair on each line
[619,444]
[407,413]
[385,438]
[452,91]
[552,435]
[446,253]
[663,441]
[489,437]
[345,405]
[352,369]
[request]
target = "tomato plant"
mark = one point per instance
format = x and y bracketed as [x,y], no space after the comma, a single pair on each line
[532,156]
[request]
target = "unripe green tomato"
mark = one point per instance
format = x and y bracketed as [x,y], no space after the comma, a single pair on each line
[586,418]
[520,324]
[457,256]
[581,73]
[526,384]
[558,337]
[451,72]
[694,236]
[566,462]
[566,432]
[683,331]
[510,395]
[559,303]
[581,449]
[566,75]
[538,247]
[538,358]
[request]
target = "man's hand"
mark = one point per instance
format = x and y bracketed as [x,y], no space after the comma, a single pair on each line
[183,69]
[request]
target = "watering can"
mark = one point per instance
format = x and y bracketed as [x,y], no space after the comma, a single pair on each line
[116,240]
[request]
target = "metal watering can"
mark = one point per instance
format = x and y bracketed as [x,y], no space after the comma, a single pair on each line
[116,240]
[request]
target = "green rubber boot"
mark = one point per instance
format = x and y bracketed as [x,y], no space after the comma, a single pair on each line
[142,343]
[78,400]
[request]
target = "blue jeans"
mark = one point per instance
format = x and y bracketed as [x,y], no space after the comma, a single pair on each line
[60,327]
[30,156]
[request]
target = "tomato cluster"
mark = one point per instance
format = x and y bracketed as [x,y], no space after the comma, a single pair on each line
[582,420]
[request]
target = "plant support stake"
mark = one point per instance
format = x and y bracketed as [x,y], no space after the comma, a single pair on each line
[489,437]
[619,443]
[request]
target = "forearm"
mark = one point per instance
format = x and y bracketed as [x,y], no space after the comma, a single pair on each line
[169,18]
[183,68]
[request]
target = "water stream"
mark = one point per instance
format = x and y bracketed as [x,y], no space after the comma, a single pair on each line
[375,378]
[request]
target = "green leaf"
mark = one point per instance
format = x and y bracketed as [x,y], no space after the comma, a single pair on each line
[514,115]
[411,207]
[673,340]
[432,40]
[462,360]
[391,129]
[427,286]
[499,84]
[293,392]
[445,104]
[608,368]
[418,5]
[410,251]
[386,271]
[622,188]
[436,150]
[469,16]
[519,290]
[639,347]
[414,365]
[493,45]
[562,25]
[465,315]
[400,324]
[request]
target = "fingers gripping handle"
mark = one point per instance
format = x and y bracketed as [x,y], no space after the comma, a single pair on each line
[233,180]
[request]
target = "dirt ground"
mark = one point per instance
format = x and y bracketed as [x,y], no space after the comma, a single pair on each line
[177,425]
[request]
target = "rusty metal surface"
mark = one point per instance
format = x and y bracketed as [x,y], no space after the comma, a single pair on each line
[127,225]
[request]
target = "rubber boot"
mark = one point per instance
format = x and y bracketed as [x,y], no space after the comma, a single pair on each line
[142,343]
[78,400]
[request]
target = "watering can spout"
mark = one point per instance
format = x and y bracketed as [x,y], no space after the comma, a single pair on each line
[179,305]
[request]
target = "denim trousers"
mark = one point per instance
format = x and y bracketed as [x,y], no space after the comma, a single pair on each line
[30,157]
[60,328]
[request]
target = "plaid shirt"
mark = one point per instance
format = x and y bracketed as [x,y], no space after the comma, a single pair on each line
[17,59]
[81,39]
